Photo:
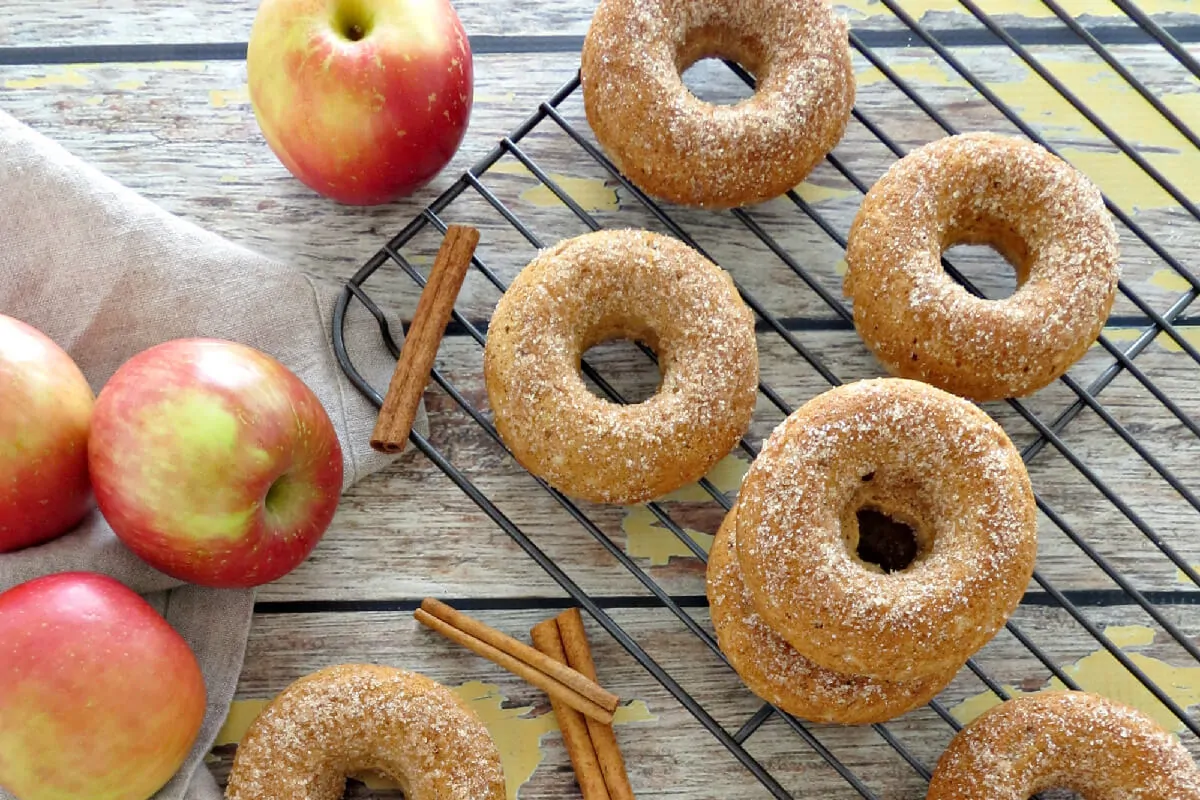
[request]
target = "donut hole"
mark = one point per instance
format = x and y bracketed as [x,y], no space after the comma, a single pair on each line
[625,368]
[884,541]
[700,60]
[986,268]
[711,81]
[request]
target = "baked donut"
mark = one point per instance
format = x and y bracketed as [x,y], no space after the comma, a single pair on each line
[1101,749]
[677,147]
[774,671]
[915,455]
[1042,215]
[621,284]
[355,718]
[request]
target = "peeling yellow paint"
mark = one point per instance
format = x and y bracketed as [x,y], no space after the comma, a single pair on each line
[229,179]
[1125,182]
[1102,674]
[1181,576]
[66,77]
[590,193]
[150,66]
[223,98]
[1130,635]
[506,97]
[129,86]
[517,731]
[646,538]
[816,193]
[1100,88]
[841,266]
[93,100]
[933,72]
[1189,335]
[860,9]
[1169,280]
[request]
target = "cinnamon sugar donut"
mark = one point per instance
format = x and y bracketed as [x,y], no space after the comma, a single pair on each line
[621,284]
[774,671]
[921,457]
[675,146]
[356,718]
[1101,749]
[1043,216]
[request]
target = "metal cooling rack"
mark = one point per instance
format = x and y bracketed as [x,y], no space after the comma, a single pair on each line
[549,116]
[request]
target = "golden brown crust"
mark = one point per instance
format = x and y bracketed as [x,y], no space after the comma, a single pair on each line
[352,718]
[931,458]
[1101,749]
[611,285]
[774,671]
[680,148]
[1045,217]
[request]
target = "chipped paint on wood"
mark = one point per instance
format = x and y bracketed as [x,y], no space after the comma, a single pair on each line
[63,77]
[1188,334]
[1100,672]
[866,9]
[646,538]
[1170,280]
[592,194]
[223,98]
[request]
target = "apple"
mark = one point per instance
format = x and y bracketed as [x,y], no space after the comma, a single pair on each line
[99,696]
[214,463]
[364,101]
[45,414]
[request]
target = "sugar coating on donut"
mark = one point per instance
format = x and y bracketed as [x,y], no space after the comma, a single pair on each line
[1039,212]
[678,147]
[621,284]
[978,520]
[772,668]
[353,718]
[1099,748]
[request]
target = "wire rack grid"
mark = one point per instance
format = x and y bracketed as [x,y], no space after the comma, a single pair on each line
[1044,424]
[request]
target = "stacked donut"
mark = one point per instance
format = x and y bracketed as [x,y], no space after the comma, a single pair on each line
[810,615]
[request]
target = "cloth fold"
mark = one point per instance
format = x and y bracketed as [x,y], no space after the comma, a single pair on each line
[106,273]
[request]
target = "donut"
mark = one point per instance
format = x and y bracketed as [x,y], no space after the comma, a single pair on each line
[677,147]
[621,284]
[1042,215]
[916,456]
[773,670]
[355,718]
[1085,743]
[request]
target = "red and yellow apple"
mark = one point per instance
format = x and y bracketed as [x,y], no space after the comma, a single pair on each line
[45,414]
[99,696]
[364,101]
[214,462]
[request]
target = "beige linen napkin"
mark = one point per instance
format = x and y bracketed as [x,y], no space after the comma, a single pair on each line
[106,274]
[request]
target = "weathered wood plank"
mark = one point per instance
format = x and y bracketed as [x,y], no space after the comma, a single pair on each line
[667,752]
[184,135]
[28,23]
[422,535]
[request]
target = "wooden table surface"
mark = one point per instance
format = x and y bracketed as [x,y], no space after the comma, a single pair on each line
[153,92]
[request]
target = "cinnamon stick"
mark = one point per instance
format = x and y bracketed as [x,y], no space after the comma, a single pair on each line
[546,638]
[604,738]
[420,348]
[557,680]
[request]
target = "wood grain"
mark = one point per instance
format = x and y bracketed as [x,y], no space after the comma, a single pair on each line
[183,134]
[28,23]
[201,156]
[671,755]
